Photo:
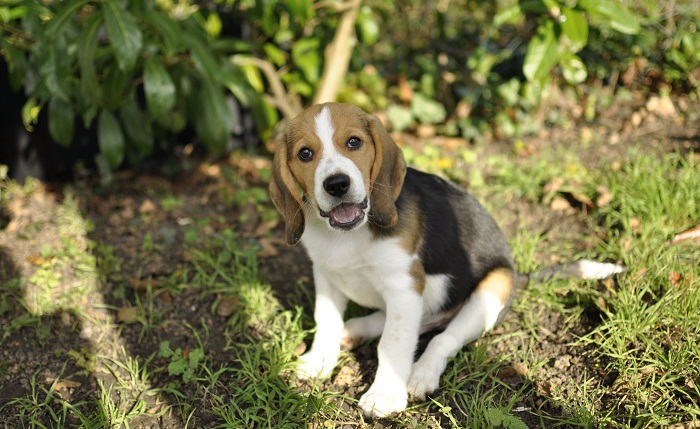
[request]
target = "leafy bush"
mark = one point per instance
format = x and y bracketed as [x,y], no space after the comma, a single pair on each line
[491,65]
[140,69]
[136,69]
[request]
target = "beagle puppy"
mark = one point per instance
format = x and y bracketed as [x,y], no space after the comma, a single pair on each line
[418,249]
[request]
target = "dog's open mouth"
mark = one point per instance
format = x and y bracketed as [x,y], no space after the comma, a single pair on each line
[346,215]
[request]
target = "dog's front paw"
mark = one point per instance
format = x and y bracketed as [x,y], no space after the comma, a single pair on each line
[424,379]
[380,401]
[315,365]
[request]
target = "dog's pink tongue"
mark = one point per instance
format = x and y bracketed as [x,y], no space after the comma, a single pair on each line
[345,213]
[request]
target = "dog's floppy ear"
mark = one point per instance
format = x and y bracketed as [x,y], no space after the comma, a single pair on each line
[285,192]
[387,175]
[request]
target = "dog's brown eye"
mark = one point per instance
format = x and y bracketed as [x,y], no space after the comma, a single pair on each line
[354,143]
[306,154]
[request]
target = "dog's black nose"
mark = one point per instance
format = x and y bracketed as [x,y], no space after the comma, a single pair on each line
[337,184]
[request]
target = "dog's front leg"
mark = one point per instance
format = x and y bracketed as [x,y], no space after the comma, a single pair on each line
[328,315]
[395,352]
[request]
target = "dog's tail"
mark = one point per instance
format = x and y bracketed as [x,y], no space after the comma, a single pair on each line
[583,269]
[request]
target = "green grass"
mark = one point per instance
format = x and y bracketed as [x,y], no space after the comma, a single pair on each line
[640,350]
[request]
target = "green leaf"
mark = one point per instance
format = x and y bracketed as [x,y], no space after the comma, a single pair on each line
[399,117]
[30,113]
[53,69]
[165,350]
[86,106]
[575,27]
[499,418]
[536,7]
[369,28]
[110,139]
[306,56]
[213,24]
[60,21]
[61,121]
[196,356]
[87,45]
[510,92]
[177,366]
[265,116]
[114,86]
[237,83]
[276,55]
[253,76]
[573,69]
[168,30]
[205,63]
[426,110]
[159,88]
[542,53]
[124,35]
[213,120]
[17,66]
[508,16]
[616,16]
[299,9]
[137,128]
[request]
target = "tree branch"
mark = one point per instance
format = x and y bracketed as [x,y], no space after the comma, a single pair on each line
[337,54]
[289,106]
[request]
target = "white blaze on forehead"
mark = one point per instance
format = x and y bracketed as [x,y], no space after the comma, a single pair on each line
[325,129]
[331,161]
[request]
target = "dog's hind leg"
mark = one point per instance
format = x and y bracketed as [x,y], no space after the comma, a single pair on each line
[481,312]
[361,329]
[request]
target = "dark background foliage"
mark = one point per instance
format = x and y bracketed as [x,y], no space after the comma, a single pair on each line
[98,85]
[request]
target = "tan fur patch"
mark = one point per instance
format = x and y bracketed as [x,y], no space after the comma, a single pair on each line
[418,274]
[499,283]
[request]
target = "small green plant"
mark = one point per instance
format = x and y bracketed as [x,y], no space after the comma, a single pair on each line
[500,418]
[185,363]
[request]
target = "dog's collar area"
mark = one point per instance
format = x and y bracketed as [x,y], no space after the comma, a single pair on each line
[345,215]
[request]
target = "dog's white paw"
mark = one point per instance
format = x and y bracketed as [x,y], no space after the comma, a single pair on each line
[315,365]
[380,401]
[424,379]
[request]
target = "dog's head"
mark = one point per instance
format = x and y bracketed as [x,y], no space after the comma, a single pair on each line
[336,162]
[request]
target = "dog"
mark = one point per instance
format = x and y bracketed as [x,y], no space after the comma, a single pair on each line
[419,249]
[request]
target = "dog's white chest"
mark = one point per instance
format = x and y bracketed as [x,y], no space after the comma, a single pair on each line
[356,263]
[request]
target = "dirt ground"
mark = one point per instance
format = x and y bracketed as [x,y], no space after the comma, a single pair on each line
[124,214]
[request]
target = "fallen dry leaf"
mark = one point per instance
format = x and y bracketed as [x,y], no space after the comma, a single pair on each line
[38,260]
[604,196]
[268,249]
[661,106]
[675,278]
[635,223]
[226,306]
[66,384]
[147,206]
[141,285]
[521,368]
[583,199]
[426,131]
[687,235]
[265,227]
[127,314]
[686,425]
[559,204]
[553,186]
[405,90]
[300,349]
[544,387]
